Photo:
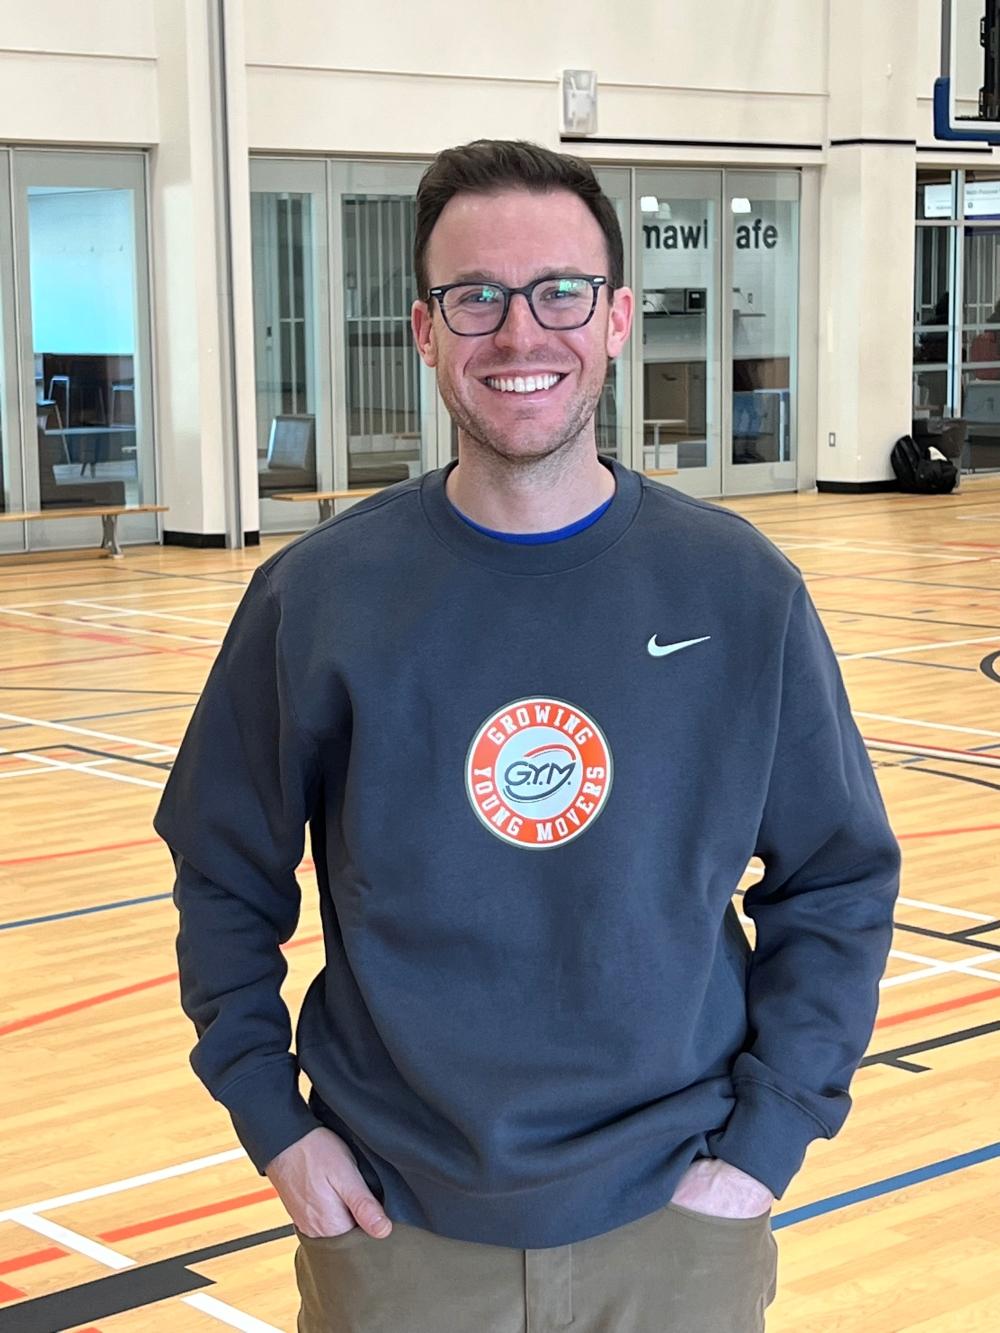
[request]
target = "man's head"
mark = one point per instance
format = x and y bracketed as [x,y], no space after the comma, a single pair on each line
[495,215]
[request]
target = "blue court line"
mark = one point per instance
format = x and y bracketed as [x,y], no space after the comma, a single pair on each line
[83,911]
[888,1186]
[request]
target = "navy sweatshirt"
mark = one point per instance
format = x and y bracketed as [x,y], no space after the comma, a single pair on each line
[533,776]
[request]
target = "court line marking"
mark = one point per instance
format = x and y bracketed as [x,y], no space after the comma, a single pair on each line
[128,1183]
[90,851]
[888,1186]
[70,1240]
[121,596]
[937,968]
[874,550]
[90,768]
[933,726]
[916,648]
[943,1006]
[86,731]
[118,629]
[932,907]
[103,997]
[228,1314]
[933,752]
[154,615]
[114,1259]
[82,911]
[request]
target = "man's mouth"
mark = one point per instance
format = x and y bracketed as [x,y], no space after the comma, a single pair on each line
[522,383]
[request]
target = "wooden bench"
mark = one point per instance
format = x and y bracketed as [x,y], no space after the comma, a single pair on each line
[325,499]
[108,514]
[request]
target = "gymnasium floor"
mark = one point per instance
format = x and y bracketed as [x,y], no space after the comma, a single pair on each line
[126,1203]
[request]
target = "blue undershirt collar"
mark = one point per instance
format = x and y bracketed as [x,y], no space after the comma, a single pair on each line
[537,538]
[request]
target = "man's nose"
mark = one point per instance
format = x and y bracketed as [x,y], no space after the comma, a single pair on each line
[520,328]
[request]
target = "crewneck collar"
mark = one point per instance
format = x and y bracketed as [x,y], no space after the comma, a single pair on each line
[547,558]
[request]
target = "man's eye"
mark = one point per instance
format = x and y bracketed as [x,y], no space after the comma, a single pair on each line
[479,296]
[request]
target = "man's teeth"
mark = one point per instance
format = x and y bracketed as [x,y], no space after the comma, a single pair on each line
[524,383]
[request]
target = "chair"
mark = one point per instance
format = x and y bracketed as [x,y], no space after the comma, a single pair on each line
[290,464]
[56,494]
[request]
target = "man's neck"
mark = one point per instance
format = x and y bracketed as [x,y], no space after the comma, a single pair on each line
[523,497]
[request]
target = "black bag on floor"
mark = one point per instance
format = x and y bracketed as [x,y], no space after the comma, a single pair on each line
[918,472]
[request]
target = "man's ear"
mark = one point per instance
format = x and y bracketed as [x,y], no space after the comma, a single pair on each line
[620,320]
[424,332]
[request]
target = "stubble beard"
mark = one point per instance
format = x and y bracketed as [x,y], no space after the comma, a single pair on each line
[483,434]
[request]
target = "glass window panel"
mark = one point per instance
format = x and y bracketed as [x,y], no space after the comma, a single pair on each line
[980,341]
[677,317]
[936,194]
[932,320]
[83,319]
[383,367]
[982,195]
[284,237]
[765,300]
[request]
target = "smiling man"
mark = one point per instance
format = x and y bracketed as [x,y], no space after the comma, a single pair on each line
[538,713]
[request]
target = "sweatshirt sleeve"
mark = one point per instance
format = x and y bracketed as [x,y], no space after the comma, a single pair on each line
[823,914]
[233,814]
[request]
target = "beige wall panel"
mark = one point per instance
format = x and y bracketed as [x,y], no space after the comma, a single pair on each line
[763,45]
[108,27]
[77,99]
[337,111]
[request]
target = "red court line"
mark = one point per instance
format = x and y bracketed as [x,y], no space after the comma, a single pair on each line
[941,1008]
[72,661]
[29,1260]
[188,1215]
[80,851]
[9,1293]
[947,832]
[33,1020]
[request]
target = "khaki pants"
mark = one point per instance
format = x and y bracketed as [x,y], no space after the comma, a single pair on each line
[674,1271]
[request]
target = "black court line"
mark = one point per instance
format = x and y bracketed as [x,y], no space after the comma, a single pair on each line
[983,929]
[951,937]
[908,661]
[909,620]
[163,766]
[93,689]
[899,1058]
[96,717]
[130,1289]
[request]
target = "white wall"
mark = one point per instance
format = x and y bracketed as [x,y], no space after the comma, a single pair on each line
[386,77]
[73,73]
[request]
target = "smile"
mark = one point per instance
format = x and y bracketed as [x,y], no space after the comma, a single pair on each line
[522,383]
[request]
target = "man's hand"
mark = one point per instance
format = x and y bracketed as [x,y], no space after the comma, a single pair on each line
[714,1187]
[324,1193]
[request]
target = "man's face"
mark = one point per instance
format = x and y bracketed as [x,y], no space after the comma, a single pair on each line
[513,237]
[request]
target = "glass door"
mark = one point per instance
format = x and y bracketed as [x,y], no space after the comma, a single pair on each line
[678,325]
[291,318]
[384,397]
[11,479]
[83,315]
[762,296]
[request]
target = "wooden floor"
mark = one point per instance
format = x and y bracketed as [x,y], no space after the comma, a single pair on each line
[112,1154]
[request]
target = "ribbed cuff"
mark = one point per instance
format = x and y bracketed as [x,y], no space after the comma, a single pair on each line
[766,1135]
[268,1112]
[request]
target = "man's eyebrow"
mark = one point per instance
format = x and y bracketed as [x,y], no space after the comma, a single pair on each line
[474,276]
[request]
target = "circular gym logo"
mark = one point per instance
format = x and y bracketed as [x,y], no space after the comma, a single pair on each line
[538,772]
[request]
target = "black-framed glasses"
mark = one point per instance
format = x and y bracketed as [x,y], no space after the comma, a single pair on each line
[472,309]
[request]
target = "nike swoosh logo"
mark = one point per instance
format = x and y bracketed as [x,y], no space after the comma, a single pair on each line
[663,649]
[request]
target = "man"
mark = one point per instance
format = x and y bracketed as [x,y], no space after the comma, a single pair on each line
[539,713]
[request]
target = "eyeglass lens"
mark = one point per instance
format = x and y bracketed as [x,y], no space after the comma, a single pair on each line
[558,303]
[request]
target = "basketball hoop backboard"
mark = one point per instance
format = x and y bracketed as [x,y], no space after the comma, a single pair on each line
[967,96]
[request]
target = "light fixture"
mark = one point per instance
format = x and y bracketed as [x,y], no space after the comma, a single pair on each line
[741,205]
[649,203]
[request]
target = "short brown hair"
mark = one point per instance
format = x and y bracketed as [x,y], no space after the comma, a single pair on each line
[486,165]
